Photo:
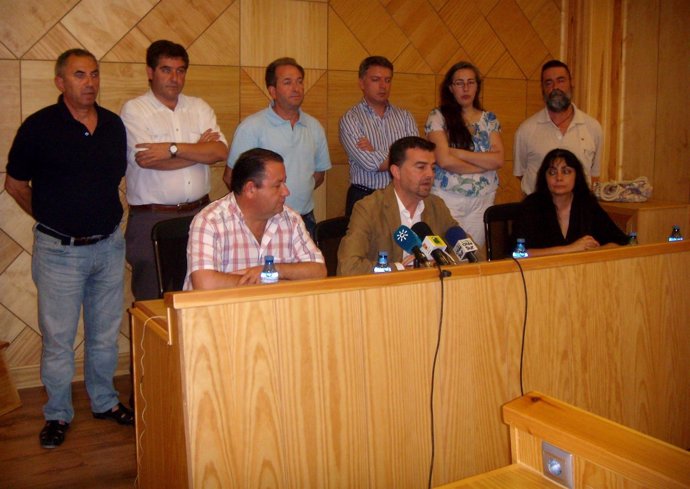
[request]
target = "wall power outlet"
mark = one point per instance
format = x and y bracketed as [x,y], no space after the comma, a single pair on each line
[557,464]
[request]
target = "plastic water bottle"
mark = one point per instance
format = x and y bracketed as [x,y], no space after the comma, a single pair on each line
[269,275]
[382,265]
[520,250]
[675,234]
[632,238]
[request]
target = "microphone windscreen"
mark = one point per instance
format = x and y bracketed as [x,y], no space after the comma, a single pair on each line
[455,234]
[422,229]
[406,239]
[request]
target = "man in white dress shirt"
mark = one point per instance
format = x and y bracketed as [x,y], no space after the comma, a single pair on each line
[171,141]
[560,124]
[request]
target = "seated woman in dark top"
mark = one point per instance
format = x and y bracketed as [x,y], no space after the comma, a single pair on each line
[562,215]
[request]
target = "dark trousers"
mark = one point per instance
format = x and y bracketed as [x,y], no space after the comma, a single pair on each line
[354,193]
[309,222]
[140,250]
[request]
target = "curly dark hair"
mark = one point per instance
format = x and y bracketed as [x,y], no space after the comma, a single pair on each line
[458,134]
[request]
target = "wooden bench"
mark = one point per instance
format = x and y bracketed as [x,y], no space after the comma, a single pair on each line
[605,454]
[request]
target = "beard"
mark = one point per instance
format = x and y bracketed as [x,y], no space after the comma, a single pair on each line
[557,100]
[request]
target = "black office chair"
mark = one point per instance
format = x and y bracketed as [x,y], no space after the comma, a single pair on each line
[170,251]
[327,235]
[498,227]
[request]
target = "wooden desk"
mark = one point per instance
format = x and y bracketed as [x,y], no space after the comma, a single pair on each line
[327,383]
[652,219]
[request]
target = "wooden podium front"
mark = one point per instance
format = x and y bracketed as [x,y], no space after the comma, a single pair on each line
[327,383]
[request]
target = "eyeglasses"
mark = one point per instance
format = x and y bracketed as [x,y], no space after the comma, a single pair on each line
[462,83]
[566,170]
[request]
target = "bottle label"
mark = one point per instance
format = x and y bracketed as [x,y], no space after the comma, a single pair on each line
[269,277]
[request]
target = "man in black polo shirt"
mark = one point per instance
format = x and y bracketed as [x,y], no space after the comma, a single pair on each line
[64,168]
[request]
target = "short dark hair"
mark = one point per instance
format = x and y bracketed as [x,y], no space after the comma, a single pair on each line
[251,166]
[165,49]
[554,63]
[374,61]
[61,61]
[271,69]
[580,189]
[396,155]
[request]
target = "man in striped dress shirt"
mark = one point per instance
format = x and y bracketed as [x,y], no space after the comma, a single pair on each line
[369,128]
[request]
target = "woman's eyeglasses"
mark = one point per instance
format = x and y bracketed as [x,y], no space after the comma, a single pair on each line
[462,83]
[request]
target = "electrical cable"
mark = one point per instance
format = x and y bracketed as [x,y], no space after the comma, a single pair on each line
[524,327]
[442,274]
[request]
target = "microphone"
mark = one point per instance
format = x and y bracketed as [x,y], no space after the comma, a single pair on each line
[409,241]
[463,246]
[432,245]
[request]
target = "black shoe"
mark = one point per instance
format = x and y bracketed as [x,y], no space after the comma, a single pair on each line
[121,415]
[53,433]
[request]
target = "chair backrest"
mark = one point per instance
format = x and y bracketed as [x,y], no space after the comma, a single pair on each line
[170,251]
[327,235]
[498,227]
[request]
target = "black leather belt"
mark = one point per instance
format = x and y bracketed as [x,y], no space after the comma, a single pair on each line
[182,207]
[66,240]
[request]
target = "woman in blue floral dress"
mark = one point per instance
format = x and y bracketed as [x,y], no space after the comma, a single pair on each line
[469,149]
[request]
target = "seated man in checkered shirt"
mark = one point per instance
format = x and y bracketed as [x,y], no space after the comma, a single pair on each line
[229,238]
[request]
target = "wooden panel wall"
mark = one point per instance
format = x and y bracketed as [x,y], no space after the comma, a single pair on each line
[230,42]
[655,142]
[327,384]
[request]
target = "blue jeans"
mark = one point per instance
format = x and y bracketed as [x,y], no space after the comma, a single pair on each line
[67,278]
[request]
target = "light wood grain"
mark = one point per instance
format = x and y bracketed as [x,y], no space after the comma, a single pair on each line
[38,88]
[24,23]
[100,25]
[345,52]
[372,25]
[411,61]
[425,29]
[131,48]
[56,41]
[327,383]
[10,115]
[274,22]
[121,82]
[603,451]
[517,35]
[218,86]
[181,21]
[509,477]
[470,27]
[652,220]
[671,151]
[220,43]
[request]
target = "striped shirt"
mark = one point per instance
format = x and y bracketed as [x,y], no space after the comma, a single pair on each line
[362,121]
[220,240]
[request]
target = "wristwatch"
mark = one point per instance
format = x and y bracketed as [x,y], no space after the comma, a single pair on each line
[173,150]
